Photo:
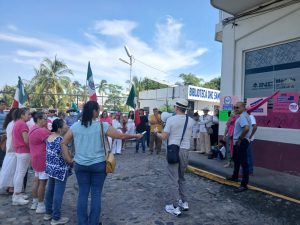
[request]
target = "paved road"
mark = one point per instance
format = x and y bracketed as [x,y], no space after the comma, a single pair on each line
[138,191]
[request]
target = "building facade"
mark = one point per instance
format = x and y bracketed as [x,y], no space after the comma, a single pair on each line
[261,55]
[165,98]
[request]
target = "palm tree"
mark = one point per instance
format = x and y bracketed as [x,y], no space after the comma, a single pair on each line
[103,89]
[138,84]
[51,79]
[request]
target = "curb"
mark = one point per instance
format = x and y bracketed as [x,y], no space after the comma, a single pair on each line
[222,180]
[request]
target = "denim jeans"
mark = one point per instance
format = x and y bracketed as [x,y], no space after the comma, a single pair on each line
[140,141]
[54,196]
[90,179]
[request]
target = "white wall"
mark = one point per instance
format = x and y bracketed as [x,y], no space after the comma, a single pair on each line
[264,30]
[160,97]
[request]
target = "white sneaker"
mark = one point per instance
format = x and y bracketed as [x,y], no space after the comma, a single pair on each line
[47,217]
[24,196]
[18,200]
[183,205]
[171,209]
[62,220]
[34,205]
[40,208]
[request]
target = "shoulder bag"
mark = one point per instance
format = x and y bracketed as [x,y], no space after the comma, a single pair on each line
[173,150]
[209,130]
[110,158]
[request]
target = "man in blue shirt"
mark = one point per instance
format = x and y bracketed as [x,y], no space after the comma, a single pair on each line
[241,139]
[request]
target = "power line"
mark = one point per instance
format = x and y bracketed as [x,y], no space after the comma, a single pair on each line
[151,66]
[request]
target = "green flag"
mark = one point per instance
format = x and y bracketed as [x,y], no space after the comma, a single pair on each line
[74,106]
[131,100]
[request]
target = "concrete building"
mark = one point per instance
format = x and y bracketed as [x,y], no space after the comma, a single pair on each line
[261,54]
[198,98]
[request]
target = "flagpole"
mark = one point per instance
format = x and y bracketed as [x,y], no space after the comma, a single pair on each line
[85,92]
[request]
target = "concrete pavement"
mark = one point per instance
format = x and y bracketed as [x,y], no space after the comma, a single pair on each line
[138,191]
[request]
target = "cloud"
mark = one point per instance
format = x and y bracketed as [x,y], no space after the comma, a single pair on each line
[106,40]
[12,27]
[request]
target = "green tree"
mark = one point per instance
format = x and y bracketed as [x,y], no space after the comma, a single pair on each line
[137,82]
[191,79]
[51,78]
[213,84]
[8,93]
[103,89]
[115,99]
[77,92]
[152,85]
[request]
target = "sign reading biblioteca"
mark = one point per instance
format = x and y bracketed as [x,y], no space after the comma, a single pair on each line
[203,94]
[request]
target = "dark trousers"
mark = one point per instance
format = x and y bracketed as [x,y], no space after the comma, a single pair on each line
[240,159]
[155,142]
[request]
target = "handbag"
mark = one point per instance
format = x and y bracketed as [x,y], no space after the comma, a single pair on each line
[110,158]
[173,150]
[209,130]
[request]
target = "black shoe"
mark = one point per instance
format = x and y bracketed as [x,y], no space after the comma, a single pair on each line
[232,179]
[241,189]
[210,157]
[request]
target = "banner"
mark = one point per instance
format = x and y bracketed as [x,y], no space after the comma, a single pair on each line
[227,102]
[286,102]
[203,94]
[262,110]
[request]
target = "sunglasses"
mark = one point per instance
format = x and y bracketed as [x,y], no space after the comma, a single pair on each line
[236,107]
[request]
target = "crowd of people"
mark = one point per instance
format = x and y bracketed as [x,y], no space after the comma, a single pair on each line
[53,146]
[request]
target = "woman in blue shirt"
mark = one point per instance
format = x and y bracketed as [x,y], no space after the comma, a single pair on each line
[90,160]
[57,165]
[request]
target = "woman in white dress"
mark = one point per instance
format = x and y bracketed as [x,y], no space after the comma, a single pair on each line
[10,161]
[117,143]
[130,123]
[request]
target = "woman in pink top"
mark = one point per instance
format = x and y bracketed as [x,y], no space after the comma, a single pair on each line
[20,143]
[105,118]
[37,143]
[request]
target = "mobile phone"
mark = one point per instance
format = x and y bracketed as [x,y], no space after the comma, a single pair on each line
[144,132]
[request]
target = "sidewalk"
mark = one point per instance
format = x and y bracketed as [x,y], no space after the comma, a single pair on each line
[268,180]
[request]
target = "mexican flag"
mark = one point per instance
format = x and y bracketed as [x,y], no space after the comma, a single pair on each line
[132,100]
[91,85]
[20,96]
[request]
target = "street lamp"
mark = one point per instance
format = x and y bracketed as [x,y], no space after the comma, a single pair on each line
[130,61]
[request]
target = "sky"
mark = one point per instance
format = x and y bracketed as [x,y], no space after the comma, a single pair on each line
[166,38]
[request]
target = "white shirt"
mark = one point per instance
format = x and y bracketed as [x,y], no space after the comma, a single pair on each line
[253,122]
[195,129]
[116,124]
[174,127]
[205,121]
[30,123]
[9,145]
[50,121]
[223,151]
[130,126]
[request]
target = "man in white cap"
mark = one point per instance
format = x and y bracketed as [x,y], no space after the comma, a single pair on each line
[205,122]
[173,131]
